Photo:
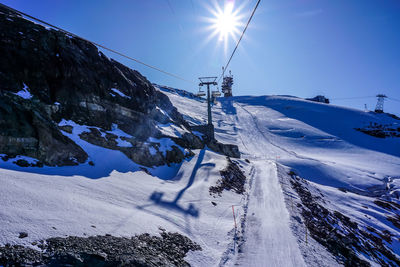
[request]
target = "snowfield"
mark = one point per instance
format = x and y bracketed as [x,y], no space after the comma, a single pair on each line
[275,134]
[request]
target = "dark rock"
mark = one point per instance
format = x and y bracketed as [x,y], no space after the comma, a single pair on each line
[70,79]
[388,205]
[380,131]
[232,178]
[225,149]
[168,249]
[22,163]
[145,170]
[189,140]
[320,99]
[344,190]
[23,235]
[66,128]
[347,241]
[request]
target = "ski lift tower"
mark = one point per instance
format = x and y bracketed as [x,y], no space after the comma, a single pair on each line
[227,83]
[379,105]
[209,81]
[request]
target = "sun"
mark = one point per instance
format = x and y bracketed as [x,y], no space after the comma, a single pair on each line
[225,20]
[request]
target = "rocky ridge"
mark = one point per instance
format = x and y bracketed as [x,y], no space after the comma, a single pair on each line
[47,77]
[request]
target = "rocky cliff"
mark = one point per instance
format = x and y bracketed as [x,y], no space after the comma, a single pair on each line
[51,82]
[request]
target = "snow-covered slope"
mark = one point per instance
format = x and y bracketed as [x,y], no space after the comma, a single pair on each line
[318,142]
[275,135]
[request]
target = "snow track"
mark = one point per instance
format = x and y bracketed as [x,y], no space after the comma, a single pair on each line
[268,237]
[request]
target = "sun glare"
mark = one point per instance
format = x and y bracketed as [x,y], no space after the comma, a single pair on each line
[225,22]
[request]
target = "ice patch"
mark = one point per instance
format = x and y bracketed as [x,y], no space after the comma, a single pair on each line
[119,93]
[162,111]
[24,93]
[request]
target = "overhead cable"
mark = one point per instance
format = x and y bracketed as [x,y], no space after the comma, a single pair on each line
[237,44]
[356,97]
[94,43]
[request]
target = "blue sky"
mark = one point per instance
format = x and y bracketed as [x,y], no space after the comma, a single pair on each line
[338,48]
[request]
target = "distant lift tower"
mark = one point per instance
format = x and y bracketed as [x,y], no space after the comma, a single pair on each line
[379,105]
[227,83]
[209,81]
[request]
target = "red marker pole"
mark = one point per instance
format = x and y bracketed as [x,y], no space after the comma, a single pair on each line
[234,217]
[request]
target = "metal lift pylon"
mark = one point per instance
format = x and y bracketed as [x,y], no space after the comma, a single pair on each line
[208,81]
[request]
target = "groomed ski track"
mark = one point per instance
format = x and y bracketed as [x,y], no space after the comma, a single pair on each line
[268,239]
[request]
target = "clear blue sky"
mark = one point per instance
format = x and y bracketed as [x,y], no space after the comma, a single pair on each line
[338,48]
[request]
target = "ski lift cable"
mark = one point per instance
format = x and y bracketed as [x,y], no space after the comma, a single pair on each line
[237,44]
[394,99]
[94,43]
[356,97]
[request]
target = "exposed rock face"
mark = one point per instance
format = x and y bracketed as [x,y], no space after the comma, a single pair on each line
[47,76]
[344,238]
[232,178]
[169,249]
[380,131]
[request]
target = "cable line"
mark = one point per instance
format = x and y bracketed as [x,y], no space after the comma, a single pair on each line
[356,97]
[391,98]
[234,50]
[96,44]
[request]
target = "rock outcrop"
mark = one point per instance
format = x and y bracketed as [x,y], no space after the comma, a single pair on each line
[47,76]
[168,249]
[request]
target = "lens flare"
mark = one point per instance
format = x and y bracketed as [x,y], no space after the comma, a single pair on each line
[225,22]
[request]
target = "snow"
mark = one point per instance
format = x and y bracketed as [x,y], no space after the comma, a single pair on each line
[27,159]
[121,204]
[171,129]
[119,93]
[320,143]
[165,144]
[275,133]
[24,93]
[268,223]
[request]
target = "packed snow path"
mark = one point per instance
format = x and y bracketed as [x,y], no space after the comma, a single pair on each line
[268,237]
